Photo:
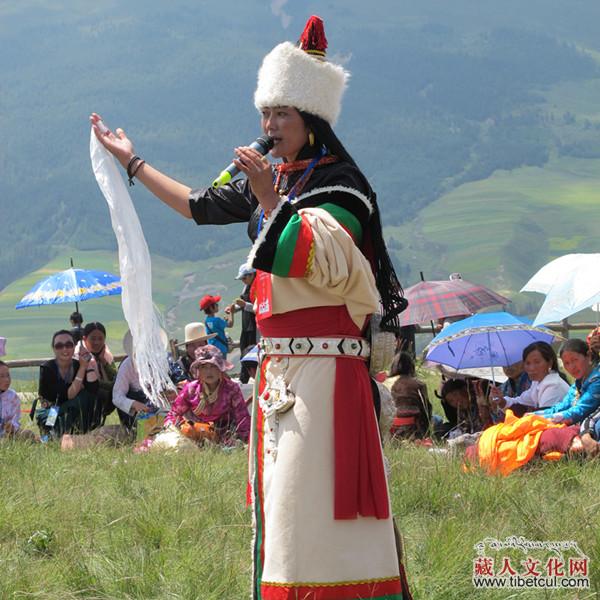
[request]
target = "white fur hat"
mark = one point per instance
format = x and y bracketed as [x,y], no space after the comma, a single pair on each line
[293,76]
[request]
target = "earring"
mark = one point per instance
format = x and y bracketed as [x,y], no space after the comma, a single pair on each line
[311,138]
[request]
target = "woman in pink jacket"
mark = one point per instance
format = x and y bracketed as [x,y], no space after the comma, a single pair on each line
[212,398]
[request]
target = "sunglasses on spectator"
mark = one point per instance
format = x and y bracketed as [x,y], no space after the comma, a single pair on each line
[60,345]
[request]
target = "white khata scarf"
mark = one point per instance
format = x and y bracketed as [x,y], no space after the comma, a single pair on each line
[136,277]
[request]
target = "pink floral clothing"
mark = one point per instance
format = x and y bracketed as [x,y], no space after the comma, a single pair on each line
[228,412]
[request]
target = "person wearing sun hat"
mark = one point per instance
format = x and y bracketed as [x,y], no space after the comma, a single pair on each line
[320,499]
[212,397]
[195,336]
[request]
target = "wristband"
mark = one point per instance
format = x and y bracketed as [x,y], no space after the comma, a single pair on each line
[80,379]
[132,168]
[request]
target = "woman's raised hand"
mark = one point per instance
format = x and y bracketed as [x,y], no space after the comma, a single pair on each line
[118,144]
[257,169]
[496,396]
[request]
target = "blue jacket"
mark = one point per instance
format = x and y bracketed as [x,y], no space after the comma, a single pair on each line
[573,409]
[217,325]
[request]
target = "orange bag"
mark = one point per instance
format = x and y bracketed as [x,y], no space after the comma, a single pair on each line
[199,431]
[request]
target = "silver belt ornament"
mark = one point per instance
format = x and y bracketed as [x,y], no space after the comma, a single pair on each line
[316,346]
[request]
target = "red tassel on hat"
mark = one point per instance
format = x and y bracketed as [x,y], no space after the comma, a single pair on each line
[313,38]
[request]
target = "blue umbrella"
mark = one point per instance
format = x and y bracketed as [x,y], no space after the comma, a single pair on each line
[72,285]
[485,340]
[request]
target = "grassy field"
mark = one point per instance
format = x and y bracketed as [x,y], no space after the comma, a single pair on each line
[110,524]
[107,523]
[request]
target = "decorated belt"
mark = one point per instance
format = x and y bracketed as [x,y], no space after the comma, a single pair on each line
[351,347]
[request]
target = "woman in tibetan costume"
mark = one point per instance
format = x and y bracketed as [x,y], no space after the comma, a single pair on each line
[322,517]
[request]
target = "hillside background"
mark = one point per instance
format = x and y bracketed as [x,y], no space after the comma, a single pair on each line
[477,123]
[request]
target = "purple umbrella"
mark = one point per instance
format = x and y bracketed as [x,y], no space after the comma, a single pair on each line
[486,340]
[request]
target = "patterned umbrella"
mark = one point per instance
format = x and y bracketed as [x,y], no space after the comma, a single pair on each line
[72,285]
[432,300]
[485,340]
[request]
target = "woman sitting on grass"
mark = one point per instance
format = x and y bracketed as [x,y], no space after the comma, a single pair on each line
[94,342]
[551,432]
[465,413]
[548,386]
[413,409]
[582,399]
[68,386]
[212,399]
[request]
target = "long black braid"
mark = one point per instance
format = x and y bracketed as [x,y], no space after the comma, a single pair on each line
[389,287]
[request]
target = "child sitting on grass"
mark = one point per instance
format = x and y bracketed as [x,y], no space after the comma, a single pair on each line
[10,407]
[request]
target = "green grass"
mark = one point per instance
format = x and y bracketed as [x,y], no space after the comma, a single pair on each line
[107,523]
[111,524]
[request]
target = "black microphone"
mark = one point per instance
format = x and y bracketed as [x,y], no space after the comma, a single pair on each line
[262,145]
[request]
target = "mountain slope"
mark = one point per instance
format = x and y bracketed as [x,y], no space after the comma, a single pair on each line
[440,95]
[500,230]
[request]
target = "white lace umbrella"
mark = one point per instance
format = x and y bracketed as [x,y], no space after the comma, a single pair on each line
[571,284]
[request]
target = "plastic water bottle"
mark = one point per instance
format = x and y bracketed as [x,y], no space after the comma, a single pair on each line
[52,416]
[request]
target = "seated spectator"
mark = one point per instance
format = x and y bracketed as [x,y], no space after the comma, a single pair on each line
[580,408]
[67,389]
[548,384]
[590,427]
[76,320]
[94,341]
[462,410]
[411,400]
[195,336]
[212,399]
[10,408]
[509,445]
[518,381]
[214,324]
[127,395]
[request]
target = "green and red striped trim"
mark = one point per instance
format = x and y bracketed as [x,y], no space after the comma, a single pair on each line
[293,248]
[257,484]
[295,243]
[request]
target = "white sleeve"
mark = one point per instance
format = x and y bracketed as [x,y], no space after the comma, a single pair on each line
[125,375]
[527,398]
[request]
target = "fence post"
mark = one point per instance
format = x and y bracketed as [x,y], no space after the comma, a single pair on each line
[565,328]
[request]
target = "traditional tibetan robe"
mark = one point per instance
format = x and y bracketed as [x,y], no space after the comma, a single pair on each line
[321,508]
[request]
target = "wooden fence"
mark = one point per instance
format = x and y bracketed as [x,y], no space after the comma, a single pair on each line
[36,362]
